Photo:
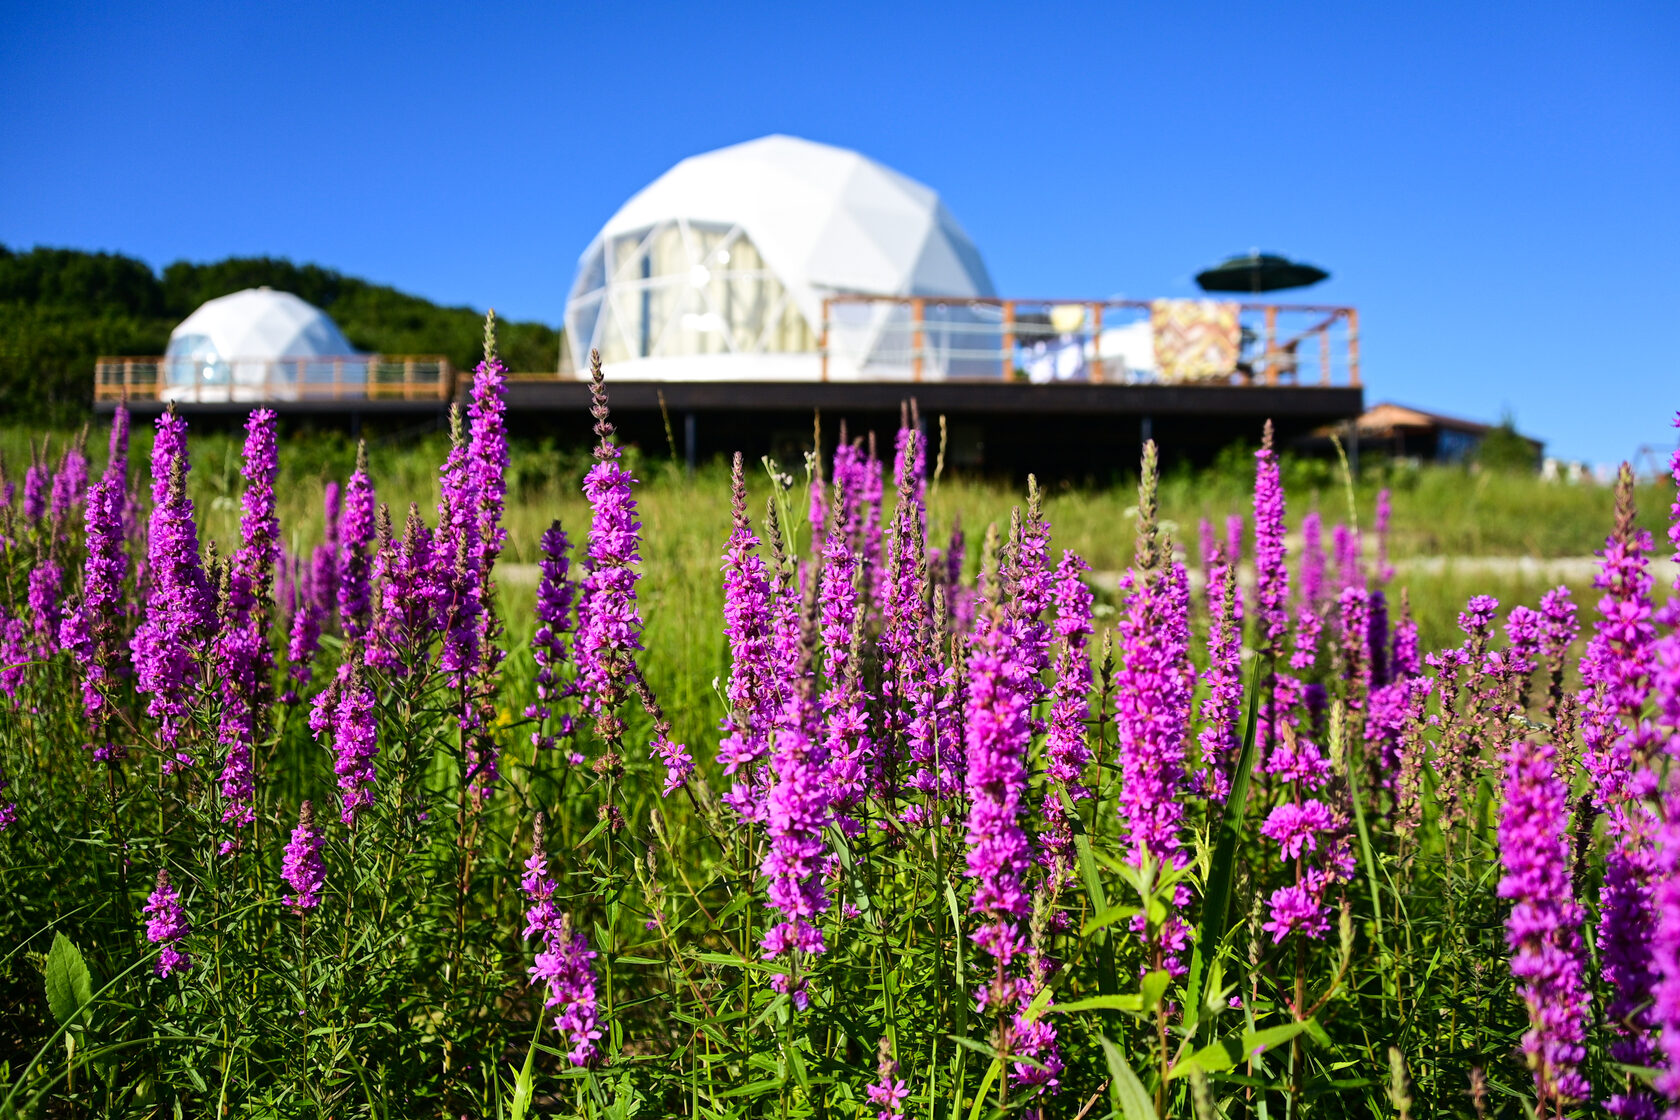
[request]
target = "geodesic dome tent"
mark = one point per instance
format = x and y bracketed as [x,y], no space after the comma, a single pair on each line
[257,344]
[719,268]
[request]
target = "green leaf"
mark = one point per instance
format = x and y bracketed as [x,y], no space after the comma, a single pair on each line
[1125,1091]
[985,1085]
[69,984]
[1153,988]
[1272,1037]
[1222,871]
[1129,1002]
[1215,1057]
[1107,918]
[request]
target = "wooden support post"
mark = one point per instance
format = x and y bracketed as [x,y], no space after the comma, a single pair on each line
[1324,356]
[1008,339]
[338,377]
[1096,343]
[1353,345]
[822,344]
[1271,344]
[918,314]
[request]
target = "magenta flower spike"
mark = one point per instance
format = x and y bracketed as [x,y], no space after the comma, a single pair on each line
[1312,559]
[1544,925]
[796,811]
[1385,570]
[355,741]
[1152,715]
[178,607]
[487,450]
[166,925]
[555,592]
[303,867]
[1221,735]
[93,630]
[323,564]
[1271,588]
[845,710]
[244,661]
[609,619]
[562,961]
[755,691]
[1066,750]
[355,558]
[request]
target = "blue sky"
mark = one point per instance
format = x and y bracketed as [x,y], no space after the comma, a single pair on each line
[1497,187]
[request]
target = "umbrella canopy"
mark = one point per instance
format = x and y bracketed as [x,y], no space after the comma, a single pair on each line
[1258,272]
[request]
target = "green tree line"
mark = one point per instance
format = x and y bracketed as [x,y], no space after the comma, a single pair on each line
[62,308]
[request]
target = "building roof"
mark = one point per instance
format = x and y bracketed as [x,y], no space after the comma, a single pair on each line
[1387,419]
[258,323]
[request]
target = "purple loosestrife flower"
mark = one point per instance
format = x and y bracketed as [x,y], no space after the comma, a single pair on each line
[1235,527]
[1561,625]
[845,712]
[16,653]
[456,575]
[870,493]
[1354,615]
[1152,716]
[355,739]
[1220,736]
[1544,925]
[1312,559]
[1271,587]
[302,866]
[1665,1009]
[610,622]
[1066,752]
[244,661]
[890,1091]
[93,631]
[1028,587]
[755,691]
[166,925]
[1208,545]
[562,962]
[1385,570]
[46,605]
[8,809]
[323,563]
[170,635]
[1616,665]
[555,591]
[304,639]
[796,811]
[487,451]
[355,561]
[69,485]
[37,486]
[999,855]
[1349,561]
[909,675]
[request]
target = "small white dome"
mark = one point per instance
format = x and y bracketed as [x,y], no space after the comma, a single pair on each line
[258,323]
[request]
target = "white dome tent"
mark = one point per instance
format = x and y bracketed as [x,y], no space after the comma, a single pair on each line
[258,344]
[719,269]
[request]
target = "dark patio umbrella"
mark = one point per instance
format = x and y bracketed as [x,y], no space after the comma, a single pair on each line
[1258,272]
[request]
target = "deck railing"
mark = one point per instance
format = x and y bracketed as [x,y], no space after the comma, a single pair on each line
[1117,341]
[372,377]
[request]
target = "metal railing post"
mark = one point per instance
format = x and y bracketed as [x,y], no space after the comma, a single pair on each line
[1353,345]
[1008,370]
[1096,343]
[1271,344]
[822,338]
[918,312]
